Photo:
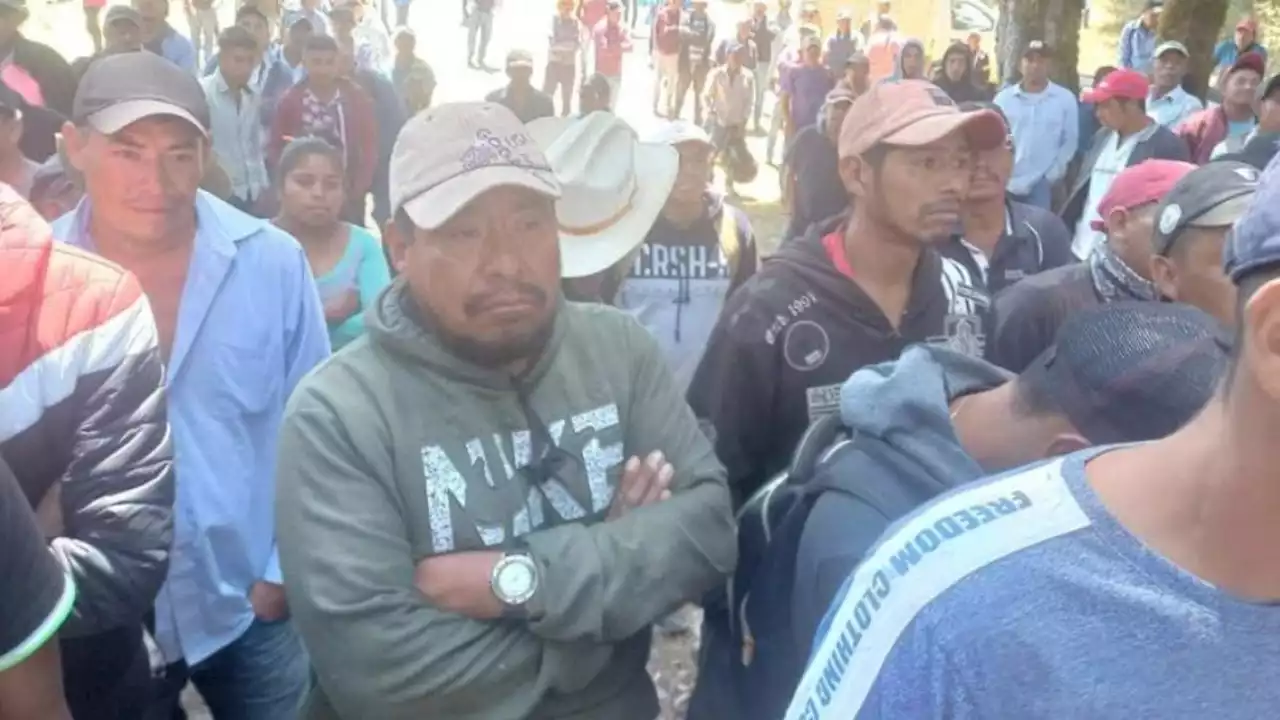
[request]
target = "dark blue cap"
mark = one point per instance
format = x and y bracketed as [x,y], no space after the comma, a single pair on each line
[1255,241]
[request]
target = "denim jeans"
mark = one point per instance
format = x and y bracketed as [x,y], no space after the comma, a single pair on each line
[263,675]
[480,22]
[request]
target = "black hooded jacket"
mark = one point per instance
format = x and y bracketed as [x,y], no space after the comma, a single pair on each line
[964,89]
[794,332]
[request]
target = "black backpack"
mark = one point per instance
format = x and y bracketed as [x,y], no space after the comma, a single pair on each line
[757,603]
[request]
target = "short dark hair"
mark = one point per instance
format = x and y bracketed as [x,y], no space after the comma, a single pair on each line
[301,149]
[299,25]
[320,43]
[1102,72]
[236,38]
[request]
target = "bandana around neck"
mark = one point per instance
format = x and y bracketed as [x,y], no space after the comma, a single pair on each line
[1115,280]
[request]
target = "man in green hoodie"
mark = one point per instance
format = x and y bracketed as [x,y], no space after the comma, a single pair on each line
[485,502]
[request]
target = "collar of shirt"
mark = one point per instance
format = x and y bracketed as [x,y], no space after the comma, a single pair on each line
[220,84]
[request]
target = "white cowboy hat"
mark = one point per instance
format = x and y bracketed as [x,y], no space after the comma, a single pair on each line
[612,187]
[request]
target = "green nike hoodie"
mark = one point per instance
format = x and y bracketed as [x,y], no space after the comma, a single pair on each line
[396,450]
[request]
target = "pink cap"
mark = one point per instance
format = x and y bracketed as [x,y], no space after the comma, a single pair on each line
[1138,185]
[1118,85]
[911,113]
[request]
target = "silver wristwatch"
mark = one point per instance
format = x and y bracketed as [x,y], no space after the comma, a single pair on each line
[514,580]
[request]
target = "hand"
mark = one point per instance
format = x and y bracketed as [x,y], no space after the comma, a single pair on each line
[643,483]
[460,583]
[269,604]
[342,307]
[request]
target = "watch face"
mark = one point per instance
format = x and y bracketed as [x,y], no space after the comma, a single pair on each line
[516,580]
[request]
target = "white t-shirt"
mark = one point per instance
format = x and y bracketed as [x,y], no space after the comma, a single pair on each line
[1113,159]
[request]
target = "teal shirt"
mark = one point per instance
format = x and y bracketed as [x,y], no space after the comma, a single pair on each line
[363,268]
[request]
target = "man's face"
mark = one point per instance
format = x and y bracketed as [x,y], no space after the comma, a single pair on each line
[1035,67]
[1151,17]
[734,60]
[1244,37]
[615,15]
[122,36]
[357,11]
[1170,68]
[489,278]
[143,179]
[258,28]
[1269,113]
[991,171]
[1241,87]
[758,10]
[912,62]
[406,44]
[153,14]
[857,72]
[1110,113]
[974,41]
[812,54]
[956,67]
[343,24]
[298,35]
[565,9]
[1192,273]
[844,25]
[520,75]
[919,191]
[695,169]
[237,65]
[321,66]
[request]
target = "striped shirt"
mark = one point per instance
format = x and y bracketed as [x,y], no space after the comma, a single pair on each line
[1022,597]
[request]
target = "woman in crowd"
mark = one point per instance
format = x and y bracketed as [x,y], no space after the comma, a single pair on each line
[347,261]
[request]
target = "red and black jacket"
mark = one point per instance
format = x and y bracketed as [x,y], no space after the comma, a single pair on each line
[82,416]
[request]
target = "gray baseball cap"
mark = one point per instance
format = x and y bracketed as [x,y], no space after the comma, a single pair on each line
[1215,195]
[126,13]
[122,89]
[447,156]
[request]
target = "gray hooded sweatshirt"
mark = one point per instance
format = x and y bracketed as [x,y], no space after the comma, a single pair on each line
[397,450]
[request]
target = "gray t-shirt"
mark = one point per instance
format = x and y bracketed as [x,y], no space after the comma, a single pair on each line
[1022,597]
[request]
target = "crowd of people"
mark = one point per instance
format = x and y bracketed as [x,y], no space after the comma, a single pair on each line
[334,402]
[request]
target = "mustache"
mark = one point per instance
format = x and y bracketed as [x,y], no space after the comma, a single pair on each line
[525,291]
[940,206]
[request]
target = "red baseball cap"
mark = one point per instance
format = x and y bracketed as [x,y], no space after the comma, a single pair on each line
[1138,185]
[1118,84]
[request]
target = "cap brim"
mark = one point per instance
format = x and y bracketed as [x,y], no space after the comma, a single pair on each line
[114,118]
[1225,213]
[1094,96]
[582,255]
[436,206]
[984,129]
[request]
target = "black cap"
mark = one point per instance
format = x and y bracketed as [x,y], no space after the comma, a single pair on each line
[1215,195]
[1038,47]
[119,90]
[125,13]
[1153,5]
[1132,371]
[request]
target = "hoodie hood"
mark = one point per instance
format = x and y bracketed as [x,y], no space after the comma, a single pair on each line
[905,404]
[962,90]
[897,63]
[394,323]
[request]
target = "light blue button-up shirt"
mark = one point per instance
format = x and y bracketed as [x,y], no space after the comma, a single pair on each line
[1173,107]
[249,326]
[1046,132]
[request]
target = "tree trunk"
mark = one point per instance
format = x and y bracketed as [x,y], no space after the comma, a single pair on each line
[1056,22]
[1199,21]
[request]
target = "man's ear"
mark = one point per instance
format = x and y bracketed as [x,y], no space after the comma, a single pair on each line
[853,174]
[1065,444]
[1261,337]
[1164,273]
[71,143]
[397,245]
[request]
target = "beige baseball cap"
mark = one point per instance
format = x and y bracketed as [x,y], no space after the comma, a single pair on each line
[912,113]
[447,156]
